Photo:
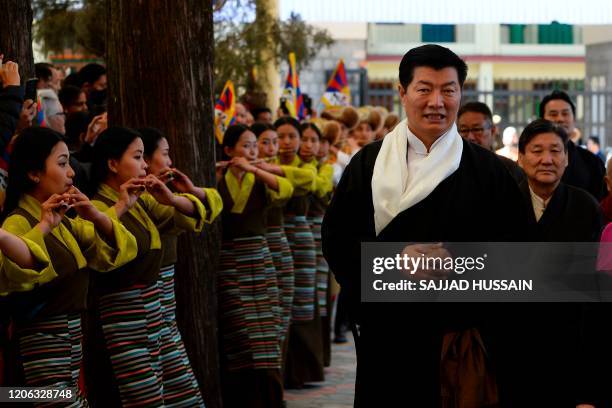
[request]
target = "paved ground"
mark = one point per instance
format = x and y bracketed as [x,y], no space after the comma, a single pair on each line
[337,390]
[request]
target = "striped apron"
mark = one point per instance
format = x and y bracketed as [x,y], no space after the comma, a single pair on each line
[305,351]
[283,262]
[249,311]
[181,388]
[49,354]
[126,328]
[45,350]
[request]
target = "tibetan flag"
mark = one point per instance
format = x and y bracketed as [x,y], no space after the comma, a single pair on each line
[294,101]
[40,115]
[338,92]
[224,110]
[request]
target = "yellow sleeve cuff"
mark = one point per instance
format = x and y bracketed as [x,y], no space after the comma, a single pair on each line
[215,204]
[191,223]
[102,256]
[284,193]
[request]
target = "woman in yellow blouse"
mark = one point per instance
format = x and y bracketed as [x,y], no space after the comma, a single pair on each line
[311,144]
[305,350]
[249,299]
[182,383]
[127,323]
[46,306]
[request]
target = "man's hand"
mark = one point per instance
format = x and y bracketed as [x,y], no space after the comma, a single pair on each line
[424,251]
[97,126]
[28,111]
[9,73]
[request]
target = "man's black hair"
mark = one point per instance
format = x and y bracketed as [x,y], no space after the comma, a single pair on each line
[595,139]
[537,127]
[477,107]
[433,56]
[556,94]
[43,71]
[91,72]
[255,112]
[69,95]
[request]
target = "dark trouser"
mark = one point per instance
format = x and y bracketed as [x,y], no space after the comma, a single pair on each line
[341,322]
[397,367]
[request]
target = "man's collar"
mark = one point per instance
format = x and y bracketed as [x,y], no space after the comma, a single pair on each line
[415,144]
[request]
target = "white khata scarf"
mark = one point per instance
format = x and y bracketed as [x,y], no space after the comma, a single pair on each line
[392,190]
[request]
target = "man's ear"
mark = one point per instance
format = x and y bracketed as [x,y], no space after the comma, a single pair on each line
[494,130]
[520,160]
[401,90]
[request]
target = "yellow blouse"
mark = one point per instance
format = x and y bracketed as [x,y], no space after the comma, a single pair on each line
[157,217]
[215,203]
[324,182]
[89,248]
[240,192]
[302,178]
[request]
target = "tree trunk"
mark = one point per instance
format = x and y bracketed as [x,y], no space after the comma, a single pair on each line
[16,35]
[159,61]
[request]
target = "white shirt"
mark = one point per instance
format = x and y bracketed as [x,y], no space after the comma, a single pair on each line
[417,178]
[539,204]
[417,152]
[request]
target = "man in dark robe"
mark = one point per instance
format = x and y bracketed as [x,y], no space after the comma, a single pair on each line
[422,183]
[551,354]
[475,123]
[584,170]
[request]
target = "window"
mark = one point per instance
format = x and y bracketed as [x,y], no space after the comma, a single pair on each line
[438,33]
[516,34]
[555,33]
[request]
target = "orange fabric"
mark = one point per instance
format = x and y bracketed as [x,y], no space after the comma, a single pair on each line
[466,379]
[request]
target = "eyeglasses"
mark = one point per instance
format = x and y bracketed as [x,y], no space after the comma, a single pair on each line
[476,131]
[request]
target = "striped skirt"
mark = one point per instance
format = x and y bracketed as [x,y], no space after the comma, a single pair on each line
[49,354]
[304,361]
[322,268]
[131,322]
[180,386]
[283,262]
[249,307]
[323,289]
[302,247]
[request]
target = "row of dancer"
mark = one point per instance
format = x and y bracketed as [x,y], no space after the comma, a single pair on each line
[274,284]
[101,269]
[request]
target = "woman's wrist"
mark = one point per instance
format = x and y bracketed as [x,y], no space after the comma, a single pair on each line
[44,227]
[121,208]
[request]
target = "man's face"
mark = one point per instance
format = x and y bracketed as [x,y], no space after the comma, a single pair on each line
[80,105]
[544,159]
[431,101]
[241,114]
[477,128]
[55,81]
[560,112]
[264,117]
[592,146]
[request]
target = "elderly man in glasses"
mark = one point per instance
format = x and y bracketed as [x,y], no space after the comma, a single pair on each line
[475,124]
